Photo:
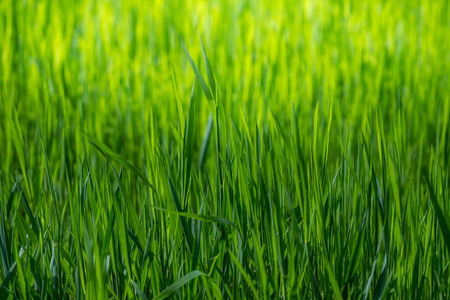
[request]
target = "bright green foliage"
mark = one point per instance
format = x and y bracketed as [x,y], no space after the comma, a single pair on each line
[297,149]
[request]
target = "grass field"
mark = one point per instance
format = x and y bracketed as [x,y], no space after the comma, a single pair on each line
[224,149]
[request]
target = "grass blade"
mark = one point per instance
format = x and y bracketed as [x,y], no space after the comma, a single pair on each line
[209,73]
[197,73]
[178,284]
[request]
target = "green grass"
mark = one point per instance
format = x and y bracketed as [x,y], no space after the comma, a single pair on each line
[295,150]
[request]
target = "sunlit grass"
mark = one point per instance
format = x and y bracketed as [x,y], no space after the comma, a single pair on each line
[295,150]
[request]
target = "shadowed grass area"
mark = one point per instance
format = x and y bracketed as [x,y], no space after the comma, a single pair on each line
[294,150]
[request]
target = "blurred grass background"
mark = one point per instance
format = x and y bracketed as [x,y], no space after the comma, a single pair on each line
[67,66]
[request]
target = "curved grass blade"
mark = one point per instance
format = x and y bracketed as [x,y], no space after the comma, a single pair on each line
[34,224]
[199,76]
[131,210]
[139,291]
[184,225]
[135,240]
[199,217]
[443,223]
[4,287]
[119,159]
[244,274]
[189,144]
[382,282]
[332,278]
[209,73]
[177,284]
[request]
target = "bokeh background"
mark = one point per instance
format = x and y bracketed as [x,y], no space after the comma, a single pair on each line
[102,66]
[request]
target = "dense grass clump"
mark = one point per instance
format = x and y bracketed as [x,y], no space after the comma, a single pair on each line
[300,150]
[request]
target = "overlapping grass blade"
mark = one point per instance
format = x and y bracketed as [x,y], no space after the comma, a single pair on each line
[198,75]
[178,284]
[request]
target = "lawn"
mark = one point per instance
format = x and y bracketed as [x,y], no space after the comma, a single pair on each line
[224,149]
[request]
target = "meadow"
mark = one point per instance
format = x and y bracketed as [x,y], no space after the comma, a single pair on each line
[224,149]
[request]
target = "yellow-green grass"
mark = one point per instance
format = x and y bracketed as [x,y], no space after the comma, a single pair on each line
[298,149]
